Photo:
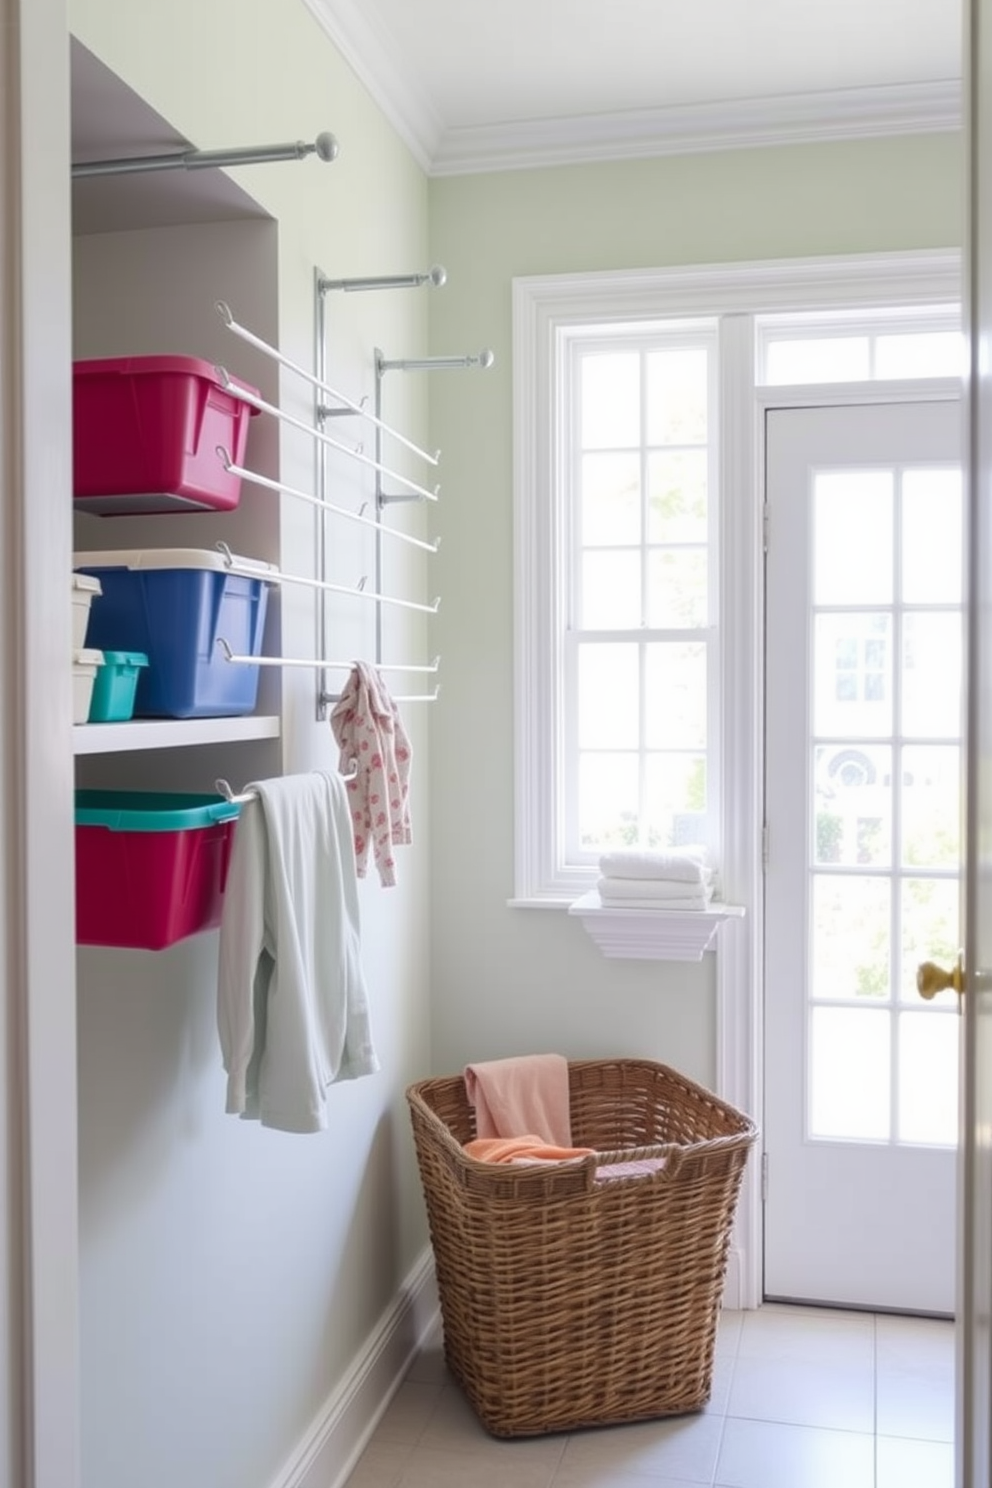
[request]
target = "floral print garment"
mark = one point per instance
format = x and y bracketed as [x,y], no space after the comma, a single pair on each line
[368,728]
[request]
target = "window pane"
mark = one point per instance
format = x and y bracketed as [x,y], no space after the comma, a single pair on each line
[920,354]
[931,536]
[850,934]
[852,519]
[611,590]
[931,676]
[928,1078]
[852,677]
[818,359]
[675,800]
[677,588]
[677,496]
[608,785]
[931,806]
[611,499]
[610,400]
[675,696]
[609,703]
[930,914]
[850,1073]
[853,804]
[676,395]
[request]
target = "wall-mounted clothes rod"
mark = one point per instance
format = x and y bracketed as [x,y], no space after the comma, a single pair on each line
[386,666]
[287,418]
[484,359]
[237,798]
[272,575]
[435,277]
[348,404]
[325,147]
[314,663]
[327,506]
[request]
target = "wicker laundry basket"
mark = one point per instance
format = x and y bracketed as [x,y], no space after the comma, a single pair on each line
[569,1301]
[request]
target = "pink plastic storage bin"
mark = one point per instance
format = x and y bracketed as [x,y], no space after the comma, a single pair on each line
[151,867]
[146,432]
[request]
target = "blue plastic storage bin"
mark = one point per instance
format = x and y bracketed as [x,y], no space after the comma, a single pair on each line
[173,604]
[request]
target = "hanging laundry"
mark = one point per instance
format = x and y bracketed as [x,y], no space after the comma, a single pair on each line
[292,1007]
[368,728]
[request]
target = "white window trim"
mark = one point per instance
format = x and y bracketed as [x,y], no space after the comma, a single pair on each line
[540,306]
[926,277]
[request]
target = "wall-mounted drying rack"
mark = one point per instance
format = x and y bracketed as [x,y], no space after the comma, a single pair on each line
[238,798]
[322,663]
[272,575]
[254,401]
[341,405]
[325,147]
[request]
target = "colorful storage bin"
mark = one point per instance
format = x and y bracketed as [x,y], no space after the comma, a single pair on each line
[146,432]
[151,867]
[85,665]
[174,604]
[115,686]
[85,588]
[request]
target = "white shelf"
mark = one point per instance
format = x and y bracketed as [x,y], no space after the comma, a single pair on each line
[169,733]
[652,934]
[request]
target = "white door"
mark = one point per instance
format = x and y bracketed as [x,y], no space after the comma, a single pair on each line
[863,798]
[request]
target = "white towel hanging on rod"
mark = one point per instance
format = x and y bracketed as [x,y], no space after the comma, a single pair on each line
[327,506]
[244,396]
[237,798]
[348,404]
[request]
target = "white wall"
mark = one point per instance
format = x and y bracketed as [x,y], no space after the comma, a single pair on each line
[38,1274]
[232,1276]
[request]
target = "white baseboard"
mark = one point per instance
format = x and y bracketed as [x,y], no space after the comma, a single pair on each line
[336,1438]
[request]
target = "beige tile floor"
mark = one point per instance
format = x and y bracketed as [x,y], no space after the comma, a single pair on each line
[802,1398]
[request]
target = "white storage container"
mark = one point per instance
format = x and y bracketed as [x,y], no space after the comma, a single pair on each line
[85,588]
[84,669]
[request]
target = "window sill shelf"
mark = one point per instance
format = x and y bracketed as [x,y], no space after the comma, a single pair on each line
[653,934]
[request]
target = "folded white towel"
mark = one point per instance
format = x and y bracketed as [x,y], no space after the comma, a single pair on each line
[683,864]
[654,890]
[658,906]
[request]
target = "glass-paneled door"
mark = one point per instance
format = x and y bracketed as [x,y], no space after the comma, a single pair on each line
[863,801]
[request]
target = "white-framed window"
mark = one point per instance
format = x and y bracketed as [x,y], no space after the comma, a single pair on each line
[638,543]
[888,345]
[639,585]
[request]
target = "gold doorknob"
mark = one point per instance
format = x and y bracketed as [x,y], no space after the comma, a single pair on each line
[931,979]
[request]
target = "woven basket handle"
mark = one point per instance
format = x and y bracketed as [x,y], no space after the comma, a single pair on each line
[673,1155]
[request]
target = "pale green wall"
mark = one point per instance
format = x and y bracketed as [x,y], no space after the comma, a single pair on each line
[515,980]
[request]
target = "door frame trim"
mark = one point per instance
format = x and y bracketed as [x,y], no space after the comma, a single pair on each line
[740,1025]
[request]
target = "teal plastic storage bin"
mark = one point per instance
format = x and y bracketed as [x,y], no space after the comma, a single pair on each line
[115,686]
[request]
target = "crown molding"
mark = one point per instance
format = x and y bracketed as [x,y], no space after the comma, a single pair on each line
[846,114]
[376,63]
[637,134]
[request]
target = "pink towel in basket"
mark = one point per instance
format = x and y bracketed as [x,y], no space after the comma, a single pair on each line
[526,1149]
[526,1095]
